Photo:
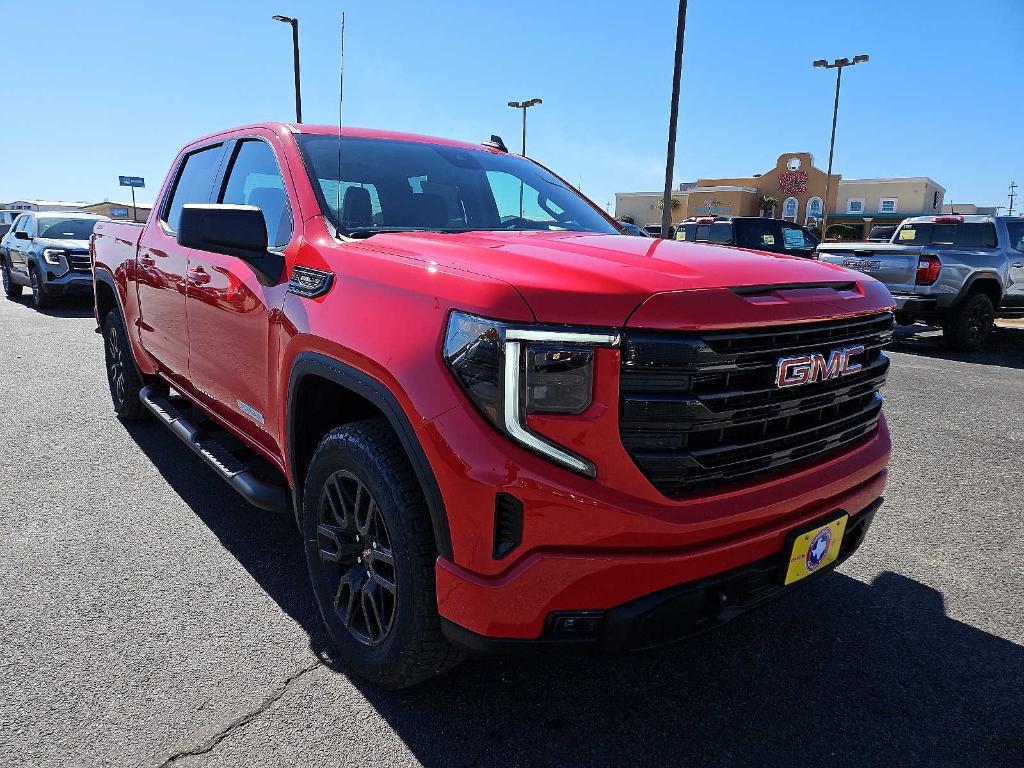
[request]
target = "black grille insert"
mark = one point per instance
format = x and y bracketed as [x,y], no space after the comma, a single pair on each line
[703,409]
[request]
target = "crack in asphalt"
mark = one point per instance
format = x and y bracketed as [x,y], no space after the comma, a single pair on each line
[207,744]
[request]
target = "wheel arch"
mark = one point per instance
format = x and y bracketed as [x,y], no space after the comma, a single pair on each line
[983,282]
[313,376]
[107,297]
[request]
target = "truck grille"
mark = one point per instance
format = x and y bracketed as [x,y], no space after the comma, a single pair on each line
[78,261]
[703,409]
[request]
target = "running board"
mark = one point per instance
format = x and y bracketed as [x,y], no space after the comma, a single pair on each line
[253,489]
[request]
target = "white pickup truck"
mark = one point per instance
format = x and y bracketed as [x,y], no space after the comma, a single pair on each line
[961,272]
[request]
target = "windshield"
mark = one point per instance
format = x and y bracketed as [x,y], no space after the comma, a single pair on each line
[398,185]
[66,229]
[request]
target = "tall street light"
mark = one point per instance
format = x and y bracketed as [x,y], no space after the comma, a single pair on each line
[525,105]
[838,65]
[670,157]
[295,54]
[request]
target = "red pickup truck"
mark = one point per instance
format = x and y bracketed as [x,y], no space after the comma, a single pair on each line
[500,423]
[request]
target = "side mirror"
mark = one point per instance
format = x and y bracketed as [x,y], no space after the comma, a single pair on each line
[22,235]
[233,230]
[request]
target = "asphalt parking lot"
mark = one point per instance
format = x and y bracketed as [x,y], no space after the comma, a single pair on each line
[150,617]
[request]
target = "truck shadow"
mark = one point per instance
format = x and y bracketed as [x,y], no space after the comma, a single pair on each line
[63,307]
[842,673]
[1005,347]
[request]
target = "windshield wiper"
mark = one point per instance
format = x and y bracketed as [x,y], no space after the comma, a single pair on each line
[364,232]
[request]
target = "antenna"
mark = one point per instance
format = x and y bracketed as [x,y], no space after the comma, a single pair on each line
[341,102]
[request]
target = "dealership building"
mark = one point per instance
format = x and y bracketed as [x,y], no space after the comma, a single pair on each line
[794,190]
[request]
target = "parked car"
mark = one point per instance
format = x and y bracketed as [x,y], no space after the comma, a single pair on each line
[882,233]
[633,229]
[497,431]
[49,252]
[961,272]
[752,232]
[654,230]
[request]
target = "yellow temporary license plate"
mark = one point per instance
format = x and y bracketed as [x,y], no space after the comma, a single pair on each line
[815,549]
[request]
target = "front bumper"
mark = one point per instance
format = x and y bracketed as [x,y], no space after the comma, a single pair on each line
[670,614]
[586,547]
[70,284]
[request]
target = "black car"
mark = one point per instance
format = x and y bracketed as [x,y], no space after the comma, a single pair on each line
[753,232]
[633,229]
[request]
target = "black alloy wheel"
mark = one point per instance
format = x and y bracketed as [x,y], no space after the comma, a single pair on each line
[115,366]
[356,554]
[979,322]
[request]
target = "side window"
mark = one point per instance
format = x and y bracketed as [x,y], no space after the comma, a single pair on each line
[29,225]
[1016,231]
[795,238]
[194,183]
[255,179]
[976,235]
[19,223]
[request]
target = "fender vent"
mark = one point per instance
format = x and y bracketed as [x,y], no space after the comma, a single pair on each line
[310,283]
[508,524]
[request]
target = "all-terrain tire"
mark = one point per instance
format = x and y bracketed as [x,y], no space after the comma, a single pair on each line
[40,298]
[368,455]
[969,324]
[123,376]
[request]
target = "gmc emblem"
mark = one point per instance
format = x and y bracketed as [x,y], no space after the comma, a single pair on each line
[807,369]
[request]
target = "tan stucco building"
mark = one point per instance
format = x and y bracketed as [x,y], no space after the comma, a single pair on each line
[798,188]
[795,183]
[118,210]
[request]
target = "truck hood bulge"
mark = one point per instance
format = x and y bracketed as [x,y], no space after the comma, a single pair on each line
[598,279]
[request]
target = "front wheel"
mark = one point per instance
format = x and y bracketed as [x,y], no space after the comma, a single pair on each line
[371,552]
[970,324]
[40,298]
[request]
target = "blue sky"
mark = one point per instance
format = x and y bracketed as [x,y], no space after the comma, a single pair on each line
[94,92]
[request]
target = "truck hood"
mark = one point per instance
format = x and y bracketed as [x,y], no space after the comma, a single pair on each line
[596,279]
[68,245]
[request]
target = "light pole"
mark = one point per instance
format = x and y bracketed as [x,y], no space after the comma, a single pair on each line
[670,159]
[838,65]
[525,105]
[295,54]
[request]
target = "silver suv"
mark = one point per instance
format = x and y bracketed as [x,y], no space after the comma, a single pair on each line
[49,252]
[961,272]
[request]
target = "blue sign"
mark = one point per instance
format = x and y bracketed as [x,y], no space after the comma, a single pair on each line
[119,213]
[132,181]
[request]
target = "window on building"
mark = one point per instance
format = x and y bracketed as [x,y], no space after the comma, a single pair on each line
[789,209]
[814,206]
[888,204]
[855,205]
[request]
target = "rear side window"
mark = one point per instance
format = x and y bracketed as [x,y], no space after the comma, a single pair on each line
[794,238]
[194,183]
[976,235]
[254,179]
[721,233]
[1016,231]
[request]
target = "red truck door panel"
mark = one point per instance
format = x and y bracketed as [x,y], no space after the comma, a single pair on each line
[162,263]
[229,307]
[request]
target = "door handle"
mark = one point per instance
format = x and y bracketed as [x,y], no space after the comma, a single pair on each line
[146,259]
[198,276]
[1018,265]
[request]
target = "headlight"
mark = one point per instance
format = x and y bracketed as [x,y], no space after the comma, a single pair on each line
[510,370]
[52,256]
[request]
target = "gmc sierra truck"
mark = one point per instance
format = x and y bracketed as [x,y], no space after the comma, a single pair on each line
[961,272]
[501,424]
